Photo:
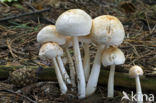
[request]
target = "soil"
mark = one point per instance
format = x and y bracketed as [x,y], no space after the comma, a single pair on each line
[18,45]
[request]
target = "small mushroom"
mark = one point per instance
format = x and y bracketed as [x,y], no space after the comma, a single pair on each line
[136,72]
[51,51]
[112,56]
[49,34]
[75,22]
[106,31]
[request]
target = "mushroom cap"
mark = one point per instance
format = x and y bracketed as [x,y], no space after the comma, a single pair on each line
[74,22]
[50,50]
[135,71]
[107,30]
[112,55]
[49,34]
[85,39]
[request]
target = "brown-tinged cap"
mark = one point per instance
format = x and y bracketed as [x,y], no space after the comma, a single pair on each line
[50,50]
[112,55]
[107,30]
[135,71]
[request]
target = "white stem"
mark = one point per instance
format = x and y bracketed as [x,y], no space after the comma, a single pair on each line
[63,70]
[72,68]
[62,84]
[93,78]
[86,62]
[139,90]
[79,69]
[110,88]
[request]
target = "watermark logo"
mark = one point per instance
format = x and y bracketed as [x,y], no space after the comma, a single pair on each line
[133,97]
[125,96]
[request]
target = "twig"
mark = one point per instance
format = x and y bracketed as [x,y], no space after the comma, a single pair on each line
[9,43]
[154,28]
[49,20]
[148,43]
[45,18]
[18,94]
[10,49]
[4,55]
[4,4]
[150,31]
[143,56]
[24,14]
[30,6]
[134,48]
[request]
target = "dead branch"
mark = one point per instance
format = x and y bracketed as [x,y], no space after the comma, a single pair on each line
[121,79]
[24,14]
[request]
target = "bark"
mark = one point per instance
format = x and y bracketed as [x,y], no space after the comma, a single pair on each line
[121,80]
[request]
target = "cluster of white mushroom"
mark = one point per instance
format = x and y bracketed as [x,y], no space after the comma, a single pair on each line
[72,27]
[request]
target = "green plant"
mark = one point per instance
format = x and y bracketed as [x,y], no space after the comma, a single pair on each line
[8,0]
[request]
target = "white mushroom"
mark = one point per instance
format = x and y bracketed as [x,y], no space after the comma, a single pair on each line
[51,51]
[75,22]
[85,40]
[110,57]
[135,72]
[49,34]
[106,30]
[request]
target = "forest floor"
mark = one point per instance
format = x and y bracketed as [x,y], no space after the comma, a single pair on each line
[21,21]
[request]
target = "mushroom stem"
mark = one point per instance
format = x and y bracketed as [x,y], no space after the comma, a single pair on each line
[93,78]
[79,69]
[71,66]
[86,63]
[110,87]
[63,70]
[62,84]
[139,90]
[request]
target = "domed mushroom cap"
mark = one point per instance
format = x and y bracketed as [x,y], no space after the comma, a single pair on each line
[50,50]
[112,55]
[74,22]
[49,33]
[135,71]
[107,30]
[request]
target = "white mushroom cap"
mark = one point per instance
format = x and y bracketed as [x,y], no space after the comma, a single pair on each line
[135,71]
[112,55]
[74,22]
[48,33]
[50,50]
[107,30]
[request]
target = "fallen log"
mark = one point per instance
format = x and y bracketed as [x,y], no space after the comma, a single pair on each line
[122,80]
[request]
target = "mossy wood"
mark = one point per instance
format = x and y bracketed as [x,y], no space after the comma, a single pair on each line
[122,80]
